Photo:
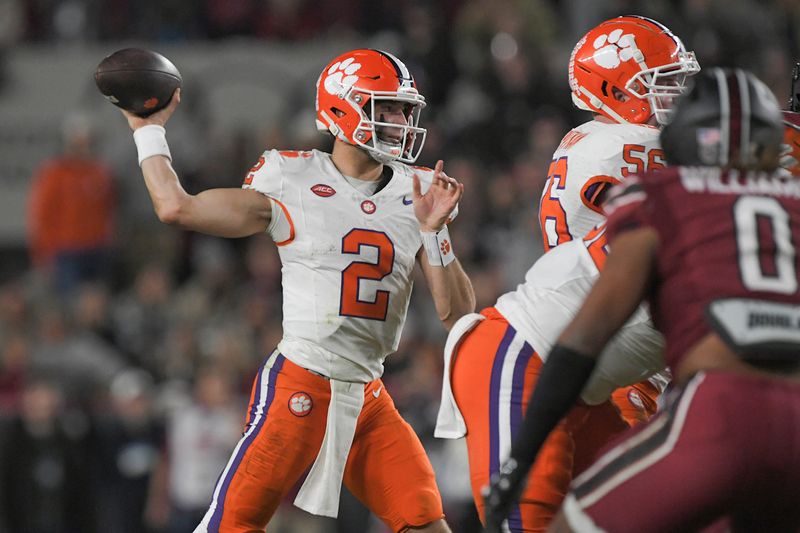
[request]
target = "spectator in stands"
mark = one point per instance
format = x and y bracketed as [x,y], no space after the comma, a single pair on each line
[129,442]
[71,345]
[44,486]
[200,437]
[71,212]
[140,317]
[14,362]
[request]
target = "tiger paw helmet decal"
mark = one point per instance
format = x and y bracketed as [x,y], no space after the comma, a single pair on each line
[341,75]
[613,48]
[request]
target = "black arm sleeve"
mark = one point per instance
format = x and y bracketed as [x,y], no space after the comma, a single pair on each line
[562,379]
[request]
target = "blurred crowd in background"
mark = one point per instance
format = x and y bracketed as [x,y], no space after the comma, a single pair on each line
[127,348]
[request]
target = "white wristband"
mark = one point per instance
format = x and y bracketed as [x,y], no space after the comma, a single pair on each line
[438,247]
[151,140]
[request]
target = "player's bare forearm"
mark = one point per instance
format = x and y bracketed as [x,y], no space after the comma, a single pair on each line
[453,295]
[218,212]
[619,290]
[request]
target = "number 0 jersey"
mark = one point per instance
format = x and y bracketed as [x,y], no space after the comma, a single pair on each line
[589,159]
[347,260]
[725,237]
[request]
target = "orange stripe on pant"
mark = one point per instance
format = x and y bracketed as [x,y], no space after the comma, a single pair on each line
[387,468]
[493,376]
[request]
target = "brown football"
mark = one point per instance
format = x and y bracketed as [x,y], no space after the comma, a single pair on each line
[137,80]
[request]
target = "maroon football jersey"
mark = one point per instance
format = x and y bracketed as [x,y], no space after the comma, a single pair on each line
[725,236]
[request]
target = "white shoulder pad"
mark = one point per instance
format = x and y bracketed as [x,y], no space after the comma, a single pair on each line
[617,150]
[266,176]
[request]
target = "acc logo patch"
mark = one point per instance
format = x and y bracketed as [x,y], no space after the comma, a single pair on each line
[320,189]
[300,404]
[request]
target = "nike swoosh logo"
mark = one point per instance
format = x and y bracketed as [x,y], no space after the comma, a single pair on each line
[377,392]
[407,202]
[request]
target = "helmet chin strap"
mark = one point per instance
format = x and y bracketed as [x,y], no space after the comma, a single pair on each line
[600,106]
[381,157]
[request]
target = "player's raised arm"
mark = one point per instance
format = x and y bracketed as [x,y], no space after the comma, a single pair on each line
[220,212]
[450,287]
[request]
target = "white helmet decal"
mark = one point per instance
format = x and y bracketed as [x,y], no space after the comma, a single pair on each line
[341,76]
[614,48]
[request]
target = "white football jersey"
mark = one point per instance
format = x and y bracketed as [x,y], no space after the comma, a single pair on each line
[554,290]
[589,158]
[347,261]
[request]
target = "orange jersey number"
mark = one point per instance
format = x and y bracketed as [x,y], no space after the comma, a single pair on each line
[595,242]
[640,159]
[251,173]
[552,217]
[349,303]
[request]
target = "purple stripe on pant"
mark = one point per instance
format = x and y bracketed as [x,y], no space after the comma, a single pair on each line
[494,400]
[517,413]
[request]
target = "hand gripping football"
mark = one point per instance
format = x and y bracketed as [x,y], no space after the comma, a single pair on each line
[137,80]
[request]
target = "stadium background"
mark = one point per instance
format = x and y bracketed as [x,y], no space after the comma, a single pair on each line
[152,359]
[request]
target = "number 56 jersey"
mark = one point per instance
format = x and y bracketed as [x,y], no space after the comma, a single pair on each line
[589,159]
[347,260]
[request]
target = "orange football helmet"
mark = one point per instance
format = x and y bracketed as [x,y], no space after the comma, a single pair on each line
[348,90]
[634,55]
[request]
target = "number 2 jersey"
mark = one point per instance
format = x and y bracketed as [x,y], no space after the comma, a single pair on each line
[727,249]
[589,159]
[347,260]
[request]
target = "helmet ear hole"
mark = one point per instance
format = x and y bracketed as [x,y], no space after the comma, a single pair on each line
[619,96]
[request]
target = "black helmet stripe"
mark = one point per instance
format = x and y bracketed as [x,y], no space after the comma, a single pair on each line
[663,28]
[735,96]
[744,95]
[724,115]
[648,19]
[399,67]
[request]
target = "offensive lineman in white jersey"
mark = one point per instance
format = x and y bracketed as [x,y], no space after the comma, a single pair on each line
[492,362]
[349,237]
[628,71]
[494,358]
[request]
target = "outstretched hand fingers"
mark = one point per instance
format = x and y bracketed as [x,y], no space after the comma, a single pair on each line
[416,188]
[458,191]
[440,178]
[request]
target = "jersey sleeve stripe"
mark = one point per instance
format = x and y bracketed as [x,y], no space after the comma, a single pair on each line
[593,191]
[288,219]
